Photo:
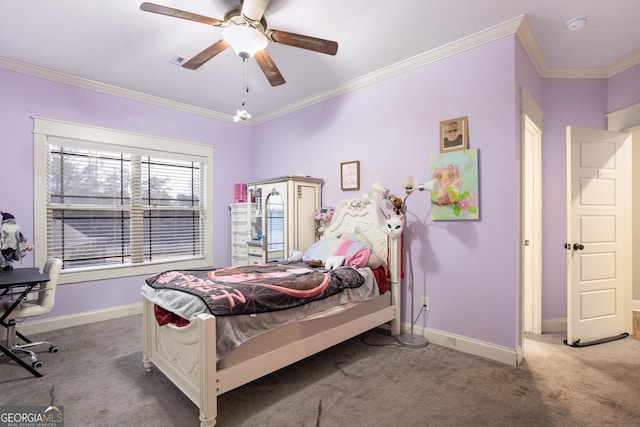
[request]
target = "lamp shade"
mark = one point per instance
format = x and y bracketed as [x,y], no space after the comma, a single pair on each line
[244,39]
[430,186]
[378,191]
[409,183]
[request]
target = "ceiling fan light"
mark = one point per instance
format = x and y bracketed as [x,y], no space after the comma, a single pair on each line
[244,39]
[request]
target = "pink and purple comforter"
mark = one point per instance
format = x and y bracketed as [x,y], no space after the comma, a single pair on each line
[258,288]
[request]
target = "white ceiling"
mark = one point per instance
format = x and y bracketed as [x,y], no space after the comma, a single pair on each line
[111,45]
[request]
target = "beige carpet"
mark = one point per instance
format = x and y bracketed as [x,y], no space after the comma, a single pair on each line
[367,381]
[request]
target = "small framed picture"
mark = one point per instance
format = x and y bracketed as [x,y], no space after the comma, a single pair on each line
[454,135]
[350,175]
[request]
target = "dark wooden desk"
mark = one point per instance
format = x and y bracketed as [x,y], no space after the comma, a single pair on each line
[15,286]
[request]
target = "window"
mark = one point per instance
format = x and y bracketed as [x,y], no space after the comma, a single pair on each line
[114,204]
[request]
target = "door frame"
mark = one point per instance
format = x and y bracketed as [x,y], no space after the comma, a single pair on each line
[627,120]
[532,227]
[530,112]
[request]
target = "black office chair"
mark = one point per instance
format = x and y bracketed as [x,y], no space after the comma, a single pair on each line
[46,295]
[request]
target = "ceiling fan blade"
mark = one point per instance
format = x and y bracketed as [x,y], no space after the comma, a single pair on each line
[253,10]
[199,60]
[177,13]
[304,42]
[269,68]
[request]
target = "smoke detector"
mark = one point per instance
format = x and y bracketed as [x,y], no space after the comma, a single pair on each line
[576,23]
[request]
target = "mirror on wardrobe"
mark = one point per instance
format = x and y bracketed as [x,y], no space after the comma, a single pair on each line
[274,221]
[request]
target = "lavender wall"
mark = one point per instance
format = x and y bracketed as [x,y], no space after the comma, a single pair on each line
[624,89]
[467,268]
[574,102]
[566,102]
[25,96]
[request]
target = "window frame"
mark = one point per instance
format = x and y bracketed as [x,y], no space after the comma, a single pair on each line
[127,141]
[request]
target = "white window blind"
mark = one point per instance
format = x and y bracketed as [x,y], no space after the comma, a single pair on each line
[113,206]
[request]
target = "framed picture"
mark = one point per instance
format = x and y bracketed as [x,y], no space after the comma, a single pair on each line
[456,196]
[454,135]
[350,175]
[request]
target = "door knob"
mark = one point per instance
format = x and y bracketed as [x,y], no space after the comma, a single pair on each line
[578,246]
[567,246]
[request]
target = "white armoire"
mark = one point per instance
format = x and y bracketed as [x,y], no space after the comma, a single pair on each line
[276,220]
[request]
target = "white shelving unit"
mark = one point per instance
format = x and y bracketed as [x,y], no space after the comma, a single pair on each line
[278,220]
[240,232]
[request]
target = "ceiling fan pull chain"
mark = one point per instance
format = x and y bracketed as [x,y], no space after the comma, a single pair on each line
[245,64]
[245,80]
[242,114]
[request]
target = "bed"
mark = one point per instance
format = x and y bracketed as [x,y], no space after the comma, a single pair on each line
[188,355]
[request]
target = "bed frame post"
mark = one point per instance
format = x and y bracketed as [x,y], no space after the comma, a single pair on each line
[147,337]
[395,272]
[208,377]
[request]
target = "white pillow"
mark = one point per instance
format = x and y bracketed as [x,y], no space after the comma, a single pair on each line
[334,262]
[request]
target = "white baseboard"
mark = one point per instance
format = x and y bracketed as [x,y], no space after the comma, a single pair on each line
[560,325]
[554,325]
[466,345]
[62,322]
[487,350]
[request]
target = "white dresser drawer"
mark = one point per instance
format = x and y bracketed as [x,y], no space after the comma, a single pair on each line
[239,238]
[239,251]
[254,250]
[255,260]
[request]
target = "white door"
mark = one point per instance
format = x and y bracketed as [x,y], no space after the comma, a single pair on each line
[598,235]
[532,256]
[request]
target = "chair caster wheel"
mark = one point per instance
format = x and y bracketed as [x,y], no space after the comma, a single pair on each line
[53,349]
[37,364]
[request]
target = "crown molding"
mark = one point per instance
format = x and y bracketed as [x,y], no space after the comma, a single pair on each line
[524,33]
[488,35]
[518,26]
[531,46]
[71,80]
[630,60]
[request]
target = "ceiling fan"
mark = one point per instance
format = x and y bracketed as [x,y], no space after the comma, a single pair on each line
[246,31]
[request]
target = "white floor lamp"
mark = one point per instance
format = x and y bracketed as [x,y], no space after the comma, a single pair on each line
[410,339]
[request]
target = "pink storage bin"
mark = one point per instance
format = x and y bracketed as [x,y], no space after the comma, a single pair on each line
[239,192]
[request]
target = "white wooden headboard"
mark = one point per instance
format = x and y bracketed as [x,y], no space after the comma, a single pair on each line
[361,216]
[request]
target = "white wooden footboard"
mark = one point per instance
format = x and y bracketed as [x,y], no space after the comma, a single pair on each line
[182,354]
[186,355]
